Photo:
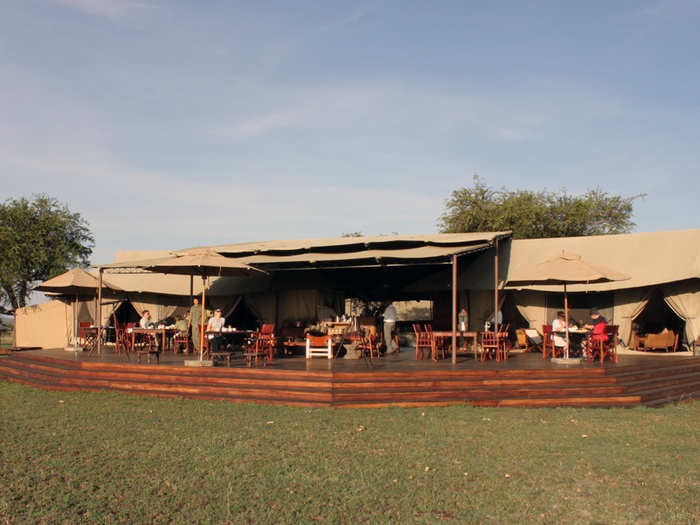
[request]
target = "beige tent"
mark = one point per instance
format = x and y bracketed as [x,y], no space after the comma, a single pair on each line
[668,261]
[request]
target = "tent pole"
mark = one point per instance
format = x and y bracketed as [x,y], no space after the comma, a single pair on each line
[566,309]
[454,309]
[191,288]
[495,292]
[201,324]
[99,310]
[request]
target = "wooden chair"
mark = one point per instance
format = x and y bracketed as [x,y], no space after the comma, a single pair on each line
[548,348]
[503,345]
[423,343]
[180,339]
[122,341]
[145,344]
[321,346]
[524,341]
[602,347]
[262,344]
[489,345]
[82,332]
[440,345]
[369,345]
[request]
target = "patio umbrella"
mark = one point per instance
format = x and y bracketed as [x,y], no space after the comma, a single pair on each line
[566,268]
[74,283]
[205,264]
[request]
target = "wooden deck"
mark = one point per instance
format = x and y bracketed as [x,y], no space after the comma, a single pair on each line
[525,380]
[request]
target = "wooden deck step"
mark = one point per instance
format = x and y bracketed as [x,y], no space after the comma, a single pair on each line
[581,386]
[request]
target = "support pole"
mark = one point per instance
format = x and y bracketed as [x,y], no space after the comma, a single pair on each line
[99,310]
[75,324]
[454,309]
[191,289]
[202,328]
[495,292]
[566,309]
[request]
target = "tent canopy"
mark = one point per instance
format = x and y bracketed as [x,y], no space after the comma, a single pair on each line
[648,258]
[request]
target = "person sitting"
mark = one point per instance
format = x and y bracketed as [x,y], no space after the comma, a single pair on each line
[182,323]
[598,324]
[216,324]
[147,323]
[559,332]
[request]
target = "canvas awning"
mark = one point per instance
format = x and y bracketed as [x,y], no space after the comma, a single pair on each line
[648,258]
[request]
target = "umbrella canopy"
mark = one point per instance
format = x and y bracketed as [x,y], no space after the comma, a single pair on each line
[205,264]
[76,282]
[566,268]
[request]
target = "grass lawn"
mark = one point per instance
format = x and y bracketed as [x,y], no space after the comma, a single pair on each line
[5,339]
[105,458]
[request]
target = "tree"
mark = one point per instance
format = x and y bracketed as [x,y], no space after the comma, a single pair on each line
[39,239]
[529,214]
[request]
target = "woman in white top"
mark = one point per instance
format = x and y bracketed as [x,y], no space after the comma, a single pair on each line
[215,324]
[559,330]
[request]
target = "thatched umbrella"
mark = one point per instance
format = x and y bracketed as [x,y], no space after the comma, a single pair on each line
[74,283]
[566,268]
[205,264]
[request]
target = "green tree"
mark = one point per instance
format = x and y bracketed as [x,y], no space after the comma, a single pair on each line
[535,214]
[39,239]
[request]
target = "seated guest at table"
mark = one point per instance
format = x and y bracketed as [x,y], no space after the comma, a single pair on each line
[182,324]
[559,331]
[598,324]
[147,323]
[215,324]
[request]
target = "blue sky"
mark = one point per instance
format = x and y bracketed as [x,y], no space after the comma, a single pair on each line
[169,124]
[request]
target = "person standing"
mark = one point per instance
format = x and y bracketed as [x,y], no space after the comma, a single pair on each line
[390,318]
[195,321]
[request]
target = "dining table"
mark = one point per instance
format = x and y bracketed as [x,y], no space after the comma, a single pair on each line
[576,338]
[163,332]
[438,336]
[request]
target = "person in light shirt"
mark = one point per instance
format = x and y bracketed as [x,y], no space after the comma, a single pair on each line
[559,331]
[216,324]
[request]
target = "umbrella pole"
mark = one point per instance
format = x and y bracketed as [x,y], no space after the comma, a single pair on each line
[75,324]
[98,313]
[201,324]
[566,309]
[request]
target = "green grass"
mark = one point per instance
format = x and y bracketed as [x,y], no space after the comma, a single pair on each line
[6,337]
[107,458]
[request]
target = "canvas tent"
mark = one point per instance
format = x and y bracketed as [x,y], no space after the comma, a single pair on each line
[309,274]
[667,261]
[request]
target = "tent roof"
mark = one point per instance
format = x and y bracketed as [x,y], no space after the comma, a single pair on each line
[353,244]
[648,258]
[128,269]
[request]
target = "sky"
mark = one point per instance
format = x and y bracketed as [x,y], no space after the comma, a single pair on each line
[170,124]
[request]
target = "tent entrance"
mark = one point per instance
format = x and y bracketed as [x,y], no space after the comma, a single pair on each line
[125,313]
[243,317]
[657,316]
